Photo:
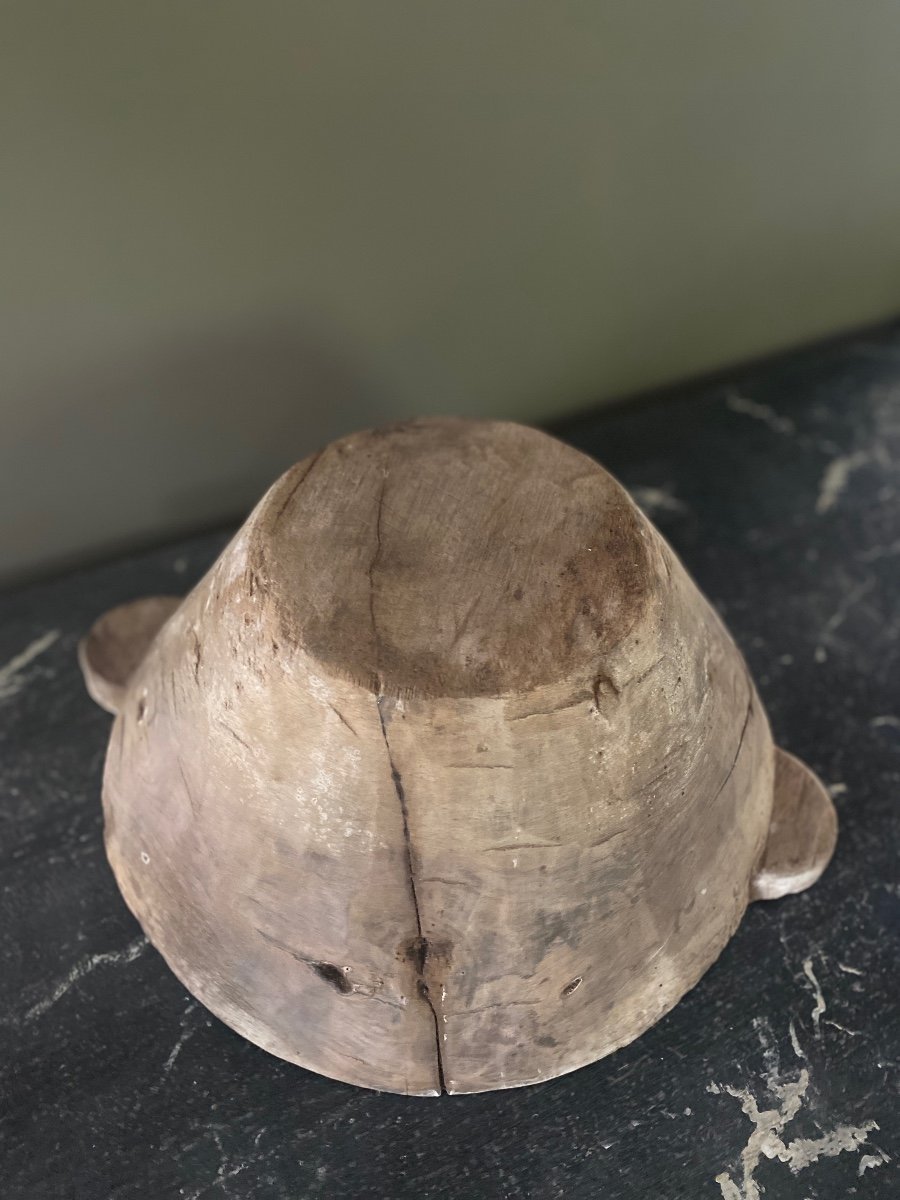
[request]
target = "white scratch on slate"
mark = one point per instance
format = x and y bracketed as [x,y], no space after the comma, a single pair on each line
[656,499]
[10,675]
[176,1050]
[185,1034]
[843,1028]
[820,1004]
[761,412]
[872,1160]
[795,1041]
[82,968]
[840,614]
[836,477]
[767,1141]
[801,1152]
[224,1173]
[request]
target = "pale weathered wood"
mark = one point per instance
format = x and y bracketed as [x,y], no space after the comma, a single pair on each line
[802,832]
[446,775]
[116,645]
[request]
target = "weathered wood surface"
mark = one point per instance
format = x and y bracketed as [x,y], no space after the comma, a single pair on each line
[446,776]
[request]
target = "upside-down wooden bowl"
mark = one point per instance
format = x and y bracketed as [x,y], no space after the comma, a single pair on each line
[445,775]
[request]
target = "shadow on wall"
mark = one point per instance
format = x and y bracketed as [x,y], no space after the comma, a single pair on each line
[237,406]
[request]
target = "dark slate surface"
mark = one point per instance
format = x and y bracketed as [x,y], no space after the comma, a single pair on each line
[780,489]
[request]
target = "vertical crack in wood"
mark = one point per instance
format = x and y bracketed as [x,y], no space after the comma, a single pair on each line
[303,478]
[372,565]
[421,959]
[740,746]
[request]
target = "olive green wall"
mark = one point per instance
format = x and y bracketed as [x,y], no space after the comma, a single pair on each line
[232,230]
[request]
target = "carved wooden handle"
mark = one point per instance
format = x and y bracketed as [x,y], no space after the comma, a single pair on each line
[802,832]
[116,644]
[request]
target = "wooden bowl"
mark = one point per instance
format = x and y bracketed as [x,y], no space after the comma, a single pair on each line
[445,776]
